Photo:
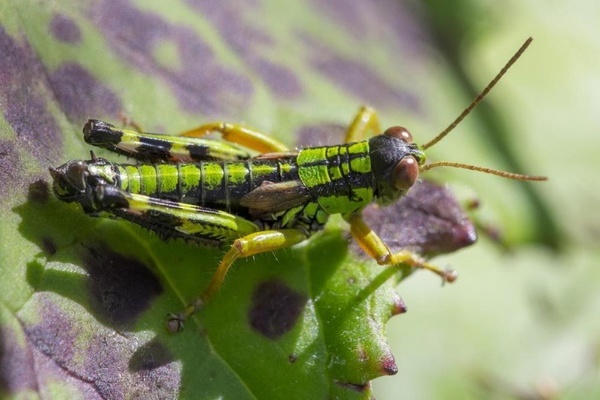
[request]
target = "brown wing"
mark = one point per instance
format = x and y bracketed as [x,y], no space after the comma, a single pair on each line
[274,197]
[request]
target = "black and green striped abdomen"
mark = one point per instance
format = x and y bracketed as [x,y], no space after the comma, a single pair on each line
[339,177]
[219,185]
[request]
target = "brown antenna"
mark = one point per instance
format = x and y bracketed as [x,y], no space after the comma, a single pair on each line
[504,174]
[479,97]
[466,112]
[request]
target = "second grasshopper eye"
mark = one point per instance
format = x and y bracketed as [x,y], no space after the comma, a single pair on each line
[399,132]
[405,173]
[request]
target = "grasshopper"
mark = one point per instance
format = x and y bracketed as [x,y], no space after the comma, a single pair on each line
[216,193]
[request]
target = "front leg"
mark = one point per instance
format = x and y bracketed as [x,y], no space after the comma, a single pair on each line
[372,244]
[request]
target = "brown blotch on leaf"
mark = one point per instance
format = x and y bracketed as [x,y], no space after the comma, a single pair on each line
[275,308]
[64,29]
[251,42]
[55,335]
[199,81]
[120,287]
[22,78]
[17,371]
[396,21]
[359,79]
[81,95]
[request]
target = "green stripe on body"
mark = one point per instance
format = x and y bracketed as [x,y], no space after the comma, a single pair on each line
[237,173]
[337,176]
[147,179]
[212,174]
[133,179]
[189,177]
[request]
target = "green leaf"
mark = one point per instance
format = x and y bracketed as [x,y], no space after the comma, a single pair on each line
[84,300]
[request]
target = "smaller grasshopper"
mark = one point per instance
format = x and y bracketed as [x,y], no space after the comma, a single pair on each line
[216,193]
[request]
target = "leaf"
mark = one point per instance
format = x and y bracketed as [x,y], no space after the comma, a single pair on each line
[84,300]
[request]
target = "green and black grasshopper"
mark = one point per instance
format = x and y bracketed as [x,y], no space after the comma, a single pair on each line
[216,193]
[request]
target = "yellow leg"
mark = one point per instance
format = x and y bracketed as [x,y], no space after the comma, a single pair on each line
[375,248]
[246,246]
[240,135]
[365,124]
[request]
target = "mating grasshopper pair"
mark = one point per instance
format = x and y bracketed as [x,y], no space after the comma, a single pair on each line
[216,193]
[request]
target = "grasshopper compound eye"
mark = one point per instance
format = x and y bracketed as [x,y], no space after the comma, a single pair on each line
[399,132]
[405,173]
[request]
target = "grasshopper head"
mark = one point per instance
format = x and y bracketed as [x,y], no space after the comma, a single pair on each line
[396,162]
[74,182]
[70,180]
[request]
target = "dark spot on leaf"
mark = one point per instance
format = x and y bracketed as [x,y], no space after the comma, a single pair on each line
[48,246]
[39,191]
[150,356]
[357,387]
[282,81]
[251,43]
[17,372]
[428,220]
[292,358]
[197,79]
[391,20]
[321,134]
[22,78]
[358,79]
[81,95]
[275,308]
[388,366]
[120,287]
[64,29]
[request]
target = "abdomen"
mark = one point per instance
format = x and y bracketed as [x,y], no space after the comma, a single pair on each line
[211,184]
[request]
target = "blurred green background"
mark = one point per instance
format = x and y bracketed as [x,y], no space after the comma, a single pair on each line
[523,325]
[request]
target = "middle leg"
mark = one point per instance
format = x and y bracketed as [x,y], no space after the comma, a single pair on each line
[246,246]
[365,124]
